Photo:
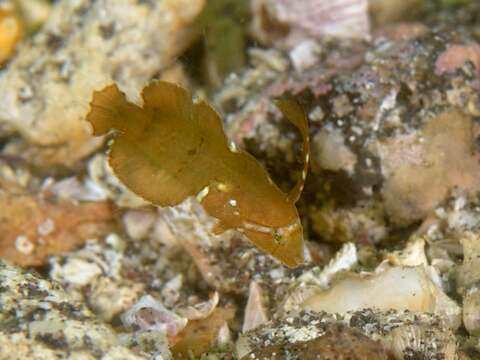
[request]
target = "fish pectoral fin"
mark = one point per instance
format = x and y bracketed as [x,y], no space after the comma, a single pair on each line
[219,228]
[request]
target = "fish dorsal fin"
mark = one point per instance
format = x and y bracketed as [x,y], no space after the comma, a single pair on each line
[295,114]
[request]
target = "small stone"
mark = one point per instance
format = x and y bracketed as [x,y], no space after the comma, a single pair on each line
[471,311]
[305,55]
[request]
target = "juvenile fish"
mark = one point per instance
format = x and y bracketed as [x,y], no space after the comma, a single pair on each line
[173,148]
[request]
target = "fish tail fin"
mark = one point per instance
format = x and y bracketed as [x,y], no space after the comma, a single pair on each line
[110,110]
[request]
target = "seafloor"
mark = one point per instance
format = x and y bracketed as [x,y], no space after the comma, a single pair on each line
[390,208]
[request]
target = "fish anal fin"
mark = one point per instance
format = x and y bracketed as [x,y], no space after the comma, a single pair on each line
[219,228]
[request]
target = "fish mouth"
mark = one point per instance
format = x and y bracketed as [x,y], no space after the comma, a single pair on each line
[285,243]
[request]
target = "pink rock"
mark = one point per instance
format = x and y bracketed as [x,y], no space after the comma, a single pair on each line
[456,56]
[344,18]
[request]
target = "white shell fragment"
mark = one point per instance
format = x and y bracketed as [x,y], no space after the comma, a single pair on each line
[149,314]
[76,271]
[331,153]
[138,223]
[412,255]
[201,310]
[72,188]
[255,311]
[305,55]
[345,259]
[399,288]
[310,282]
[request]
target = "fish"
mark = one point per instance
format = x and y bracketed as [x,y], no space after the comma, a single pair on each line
[174,147]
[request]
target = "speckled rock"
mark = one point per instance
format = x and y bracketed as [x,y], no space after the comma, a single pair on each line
[336,343]
[380,115]
[39,320]
[368,334]
[85,45]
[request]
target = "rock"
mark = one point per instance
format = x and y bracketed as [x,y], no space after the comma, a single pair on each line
[36,226]
[367,334]
[84,46]
[380,158]
[338,342]
[40,320]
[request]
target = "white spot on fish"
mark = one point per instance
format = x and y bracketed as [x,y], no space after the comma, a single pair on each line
[223,187]
[46,227]
[233,147]
[24,245]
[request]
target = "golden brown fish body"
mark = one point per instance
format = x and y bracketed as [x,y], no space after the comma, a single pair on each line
[174,148]
[259,210]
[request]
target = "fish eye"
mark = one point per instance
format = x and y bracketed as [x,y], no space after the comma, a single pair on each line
[277,237]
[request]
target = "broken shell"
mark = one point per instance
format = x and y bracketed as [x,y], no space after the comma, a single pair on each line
[400,288]
[331,153]
[409,341]
[150,314]
[224,336]
[25,238]
[412,255]
[314,279]
[74,189]
[201,310]
[255,311]
[305,55]
[138,223]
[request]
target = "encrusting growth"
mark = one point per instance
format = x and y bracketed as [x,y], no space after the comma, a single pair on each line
[173,148]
